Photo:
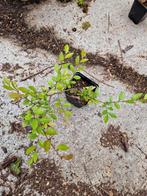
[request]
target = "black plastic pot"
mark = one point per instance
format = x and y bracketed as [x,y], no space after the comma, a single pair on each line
[137,12]
[76,101]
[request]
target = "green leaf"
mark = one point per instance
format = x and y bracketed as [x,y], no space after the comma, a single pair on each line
[77,60]
[77,77]
[67,114]
[117,105]
[68,56]
[104,112]
[130,101]
[32,88]
[121,96]
[50,83]
[34,123]
[15,167]
[106,118]
[66,105]
[137,96]
[56,67]
[145,97]
[30,161]
[83,53]
[40,143]
[112,115]
[67,157]
[30,149]
[66,48]
[35,157]
[61,57]
[62,147]
[26,102]
[51,131]
[7,87]
[32,136]
[53,116]
[23,89]
[47,145]
[60,87]
[38,111]
[83,60]
[15,96]
[28,116]
[72,68]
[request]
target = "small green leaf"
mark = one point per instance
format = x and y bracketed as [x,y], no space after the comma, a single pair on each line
[15,167]
[106,118]
[51,131]
[66,105]
[32,136]
[66,48]
[23,89]
[47,145]
[145,97]
[68,56]
[112,115]
[28,116]
[83,53]
[50,83]
[67,114]
[137,96]
[117,105]
[35,157]
[53,116]
[40,143]
[130,101]
[56,67]
[61,57]
[60,87]
[83,60]
[34,123]
[77,60]
[121,96]
[104,112]
[30,149]
[72,68]
[77,77]
[62,147]
[32,88]
[38,111]
[86,25]
[15,96]
[7,87]
[30,161]
[67,157]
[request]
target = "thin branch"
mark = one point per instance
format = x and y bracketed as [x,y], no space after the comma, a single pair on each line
[101,81]
[121,51]
[40,72]
[141,150]
[94,188]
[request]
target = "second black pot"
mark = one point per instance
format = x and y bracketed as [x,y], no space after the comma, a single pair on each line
[76,101]
[137,12]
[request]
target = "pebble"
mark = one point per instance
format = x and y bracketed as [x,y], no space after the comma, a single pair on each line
[4,149]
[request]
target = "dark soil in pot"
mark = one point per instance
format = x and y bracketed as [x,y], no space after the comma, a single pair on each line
[72,94]
[138,11]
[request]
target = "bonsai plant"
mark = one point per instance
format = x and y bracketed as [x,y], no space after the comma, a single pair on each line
[44,103]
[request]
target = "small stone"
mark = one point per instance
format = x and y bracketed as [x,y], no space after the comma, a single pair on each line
[74,29]
[4,149]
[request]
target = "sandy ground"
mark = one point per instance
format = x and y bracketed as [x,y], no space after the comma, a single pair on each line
[109,25]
